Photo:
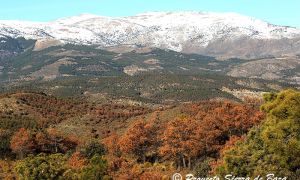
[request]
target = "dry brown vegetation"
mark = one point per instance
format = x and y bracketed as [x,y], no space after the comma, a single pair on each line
[140,142]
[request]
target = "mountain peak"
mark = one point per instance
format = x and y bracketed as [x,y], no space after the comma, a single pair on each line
[194,13]
[75,19]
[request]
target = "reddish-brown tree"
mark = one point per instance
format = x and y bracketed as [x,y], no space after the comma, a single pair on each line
[140,139]
[227,119]
[181,141]
[112,144]
[22,142]
[60,143]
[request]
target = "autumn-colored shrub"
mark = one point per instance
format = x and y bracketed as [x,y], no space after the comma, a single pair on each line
[22,142]
[77,161]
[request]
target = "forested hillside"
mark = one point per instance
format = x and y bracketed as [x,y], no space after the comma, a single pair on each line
[44,137]
[148,75]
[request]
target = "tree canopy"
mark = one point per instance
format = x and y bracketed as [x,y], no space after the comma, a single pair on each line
[273,147]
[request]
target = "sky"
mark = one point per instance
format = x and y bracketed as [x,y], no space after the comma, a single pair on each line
[280,12]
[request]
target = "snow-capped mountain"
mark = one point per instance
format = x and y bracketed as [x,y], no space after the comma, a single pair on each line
[217,34]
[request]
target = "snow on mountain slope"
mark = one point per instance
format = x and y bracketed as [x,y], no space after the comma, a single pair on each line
[179,31]
[211,23]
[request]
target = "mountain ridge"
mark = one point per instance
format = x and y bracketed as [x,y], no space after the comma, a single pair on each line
[206,33]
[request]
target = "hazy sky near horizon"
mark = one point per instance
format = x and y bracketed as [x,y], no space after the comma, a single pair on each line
[281,12]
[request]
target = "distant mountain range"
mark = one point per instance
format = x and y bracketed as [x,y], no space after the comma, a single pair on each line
[152,57]
[222,35]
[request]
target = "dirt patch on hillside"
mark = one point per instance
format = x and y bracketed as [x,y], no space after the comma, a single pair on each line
[46,43]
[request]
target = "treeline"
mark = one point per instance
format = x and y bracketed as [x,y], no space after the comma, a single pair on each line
[156,147]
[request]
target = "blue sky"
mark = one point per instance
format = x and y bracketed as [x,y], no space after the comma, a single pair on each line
[281,12]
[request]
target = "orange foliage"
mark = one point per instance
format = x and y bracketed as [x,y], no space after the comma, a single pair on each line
[221,120]
[202,132]
[126,171]
[77,161]
[59,143]
[181,140]
[139,139]
[151,175]
[53,141]
[112,144]
[206,130]
[22,142]
[49,109]
[231,142]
